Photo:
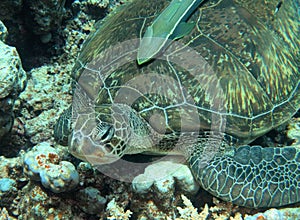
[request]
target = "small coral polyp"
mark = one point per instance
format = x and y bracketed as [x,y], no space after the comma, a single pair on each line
[42,163]
[47,160]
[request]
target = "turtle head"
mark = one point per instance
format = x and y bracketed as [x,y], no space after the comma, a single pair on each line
[103,134]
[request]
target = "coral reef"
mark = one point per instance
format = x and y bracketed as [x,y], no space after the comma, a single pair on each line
[4,215]
[9,9]
[190,212]
[8,191]
[117,212]
[38,29]
[276,214]
[3,32]
[40,111]
[91,201]
[12,80]
[46,16]
[11,178]
[32,188]
[159,186]
[160,177]
[35,203]
[42,163]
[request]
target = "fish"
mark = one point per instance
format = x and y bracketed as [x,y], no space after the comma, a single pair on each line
[169,25]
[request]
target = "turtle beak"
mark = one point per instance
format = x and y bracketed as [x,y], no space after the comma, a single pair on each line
[85,149]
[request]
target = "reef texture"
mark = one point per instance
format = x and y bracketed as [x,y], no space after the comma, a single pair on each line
[43,163]
[12,80]
[28,189]
[9,9]
[3,32]
[46,16]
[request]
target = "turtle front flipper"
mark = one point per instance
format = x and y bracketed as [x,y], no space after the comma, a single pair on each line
[251,176]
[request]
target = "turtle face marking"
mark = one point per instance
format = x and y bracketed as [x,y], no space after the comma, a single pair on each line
[99,135]
[103,134]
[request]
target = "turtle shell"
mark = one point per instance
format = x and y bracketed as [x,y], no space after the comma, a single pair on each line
[238,70]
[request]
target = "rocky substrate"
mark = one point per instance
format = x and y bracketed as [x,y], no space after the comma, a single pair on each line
[39,179]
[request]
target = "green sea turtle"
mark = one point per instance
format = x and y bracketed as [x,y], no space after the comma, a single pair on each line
[233,78]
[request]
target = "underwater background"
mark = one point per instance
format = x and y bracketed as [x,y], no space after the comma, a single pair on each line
[39,43]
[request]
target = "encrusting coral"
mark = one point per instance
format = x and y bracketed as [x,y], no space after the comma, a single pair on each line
[43,163]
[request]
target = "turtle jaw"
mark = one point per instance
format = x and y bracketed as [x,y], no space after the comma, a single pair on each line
[86,149]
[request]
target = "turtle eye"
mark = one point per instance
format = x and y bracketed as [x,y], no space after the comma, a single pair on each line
[108,134]
[103,133]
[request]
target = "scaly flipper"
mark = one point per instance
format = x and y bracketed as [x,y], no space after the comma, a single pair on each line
[251,176]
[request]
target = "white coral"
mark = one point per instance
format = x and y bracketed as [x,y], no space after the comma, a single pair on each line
[163,175]
[190,212]
[116,212]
